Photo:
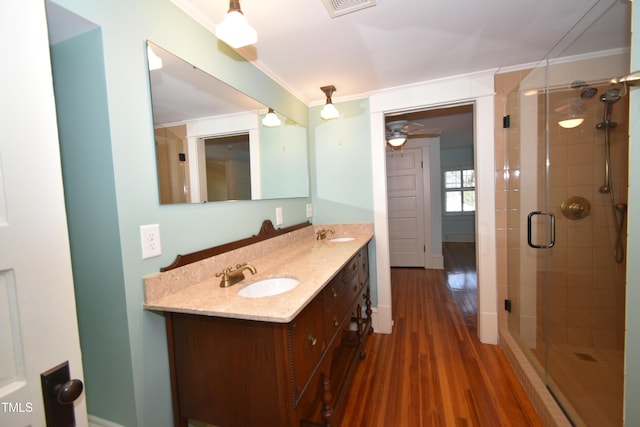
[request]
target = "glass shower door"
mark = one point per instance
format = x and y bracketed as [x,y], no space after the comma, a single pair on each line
[565,214]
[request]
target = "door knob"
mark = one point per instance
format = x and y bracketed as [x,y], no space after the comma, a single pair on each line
[59,392]
[68,392]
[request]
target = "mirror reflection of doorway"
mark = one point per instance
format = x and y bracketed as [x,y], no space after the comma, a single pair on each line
[228,168]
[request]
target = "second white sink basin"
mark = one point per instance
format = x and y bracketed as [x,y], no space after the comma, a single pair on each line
[269,287]
[341,239]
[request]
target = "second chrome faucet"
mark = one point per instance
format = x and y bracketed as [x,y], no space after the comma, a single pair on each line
[230,276]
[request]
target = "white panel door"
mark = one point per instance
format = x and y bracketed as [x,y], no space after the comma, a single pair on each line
[38,326]
[405,192]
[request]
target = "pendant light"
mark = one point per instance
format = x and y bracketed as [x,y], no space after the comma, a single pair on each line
[571,123]
[574,115]
[270,119]
[234,30]
[329,111]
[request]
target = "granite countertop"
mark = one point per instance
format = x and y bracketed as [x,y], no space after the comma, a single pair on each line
[313,262]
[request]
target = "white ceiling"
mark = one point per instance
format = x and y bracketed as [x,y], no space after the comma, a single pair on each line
[399,42]
[396,42]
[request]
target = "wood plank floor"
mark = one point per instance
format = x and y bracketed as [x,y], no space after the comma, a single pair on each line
[432,370]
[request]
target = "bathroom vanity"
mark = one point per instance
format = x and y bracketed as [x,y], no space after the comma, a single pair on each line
[282,360]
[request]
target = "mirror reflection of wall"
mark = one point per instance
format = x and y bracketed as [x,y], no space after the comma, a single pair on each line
[173,176]
[193,112]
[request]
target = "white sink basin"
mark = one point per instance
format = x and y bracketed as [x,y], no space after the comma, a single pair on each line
[341,239]
[269,287]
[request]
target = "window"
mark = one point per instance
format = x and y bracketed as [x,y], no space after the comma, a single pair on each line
[460,191]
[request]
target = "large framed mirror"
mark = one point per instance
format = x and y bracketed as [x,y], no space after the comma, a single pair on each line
[211,143]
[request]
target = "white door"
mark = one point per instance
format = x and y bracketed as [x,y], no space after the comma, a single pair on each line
[38,326]
[405,193]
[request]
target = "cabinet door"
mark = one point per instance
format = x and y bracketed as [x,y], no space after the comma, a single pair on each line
[306,345]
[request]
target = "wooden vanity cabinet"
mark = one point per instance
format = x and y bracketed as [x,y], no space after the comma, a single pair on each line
[232,372]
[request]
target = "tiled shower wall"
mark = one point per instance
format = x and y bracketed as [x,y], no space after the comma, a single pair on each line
[586,284]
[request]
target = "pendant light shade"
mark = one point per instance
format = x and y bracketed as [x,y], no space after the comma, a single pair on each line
[329,111]
[270,119]
[396,139]
[571,123]
[234,30]
[571,114]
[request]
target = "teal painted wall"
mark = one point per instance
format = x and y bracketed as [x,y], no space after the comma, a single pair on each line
[342,183]
[632,338]
[282,172]
[87,164]
[111,189]
[341,164]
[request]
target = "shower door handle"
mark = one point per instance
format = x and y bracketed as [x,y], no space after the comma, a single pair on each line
[552,240]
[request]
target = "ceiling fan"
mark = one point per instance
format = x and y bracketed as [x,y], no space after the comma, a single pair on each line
[399,130]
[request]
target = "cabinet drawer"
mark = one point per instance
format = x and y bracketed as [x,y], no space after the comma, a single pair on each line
[335,318]
[364,265]
[306,344]
[338,289]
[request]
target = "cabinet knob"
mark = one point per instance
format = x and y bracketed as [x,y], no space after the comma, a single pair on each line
[335,322]
[312,340]
[333,293]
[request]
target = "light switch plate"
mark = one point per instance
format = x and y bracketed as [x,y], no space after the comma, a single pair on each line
[279,219]
[150,240]
[309,210]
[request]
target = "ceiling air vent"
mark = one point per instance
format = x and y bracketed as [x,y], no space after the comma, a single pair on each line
[342,7]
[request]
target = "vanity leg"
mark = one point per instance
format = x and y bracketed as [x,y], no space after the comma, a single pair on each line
[360,323]
[369,310]
[327,401]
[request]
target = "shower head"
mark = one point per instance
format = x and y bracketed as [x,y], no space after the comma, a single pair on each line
[588,93]
[611,96]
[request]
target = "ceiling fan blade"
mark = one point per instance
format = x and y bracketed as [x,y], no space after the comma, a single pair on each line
[411,127]
[426,132]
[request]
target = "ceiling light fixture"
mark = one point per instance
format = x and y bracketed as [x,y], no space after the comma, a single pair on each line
[234,30]
[573,119]
[270,119]
[572,113]
[396,139]
[571,122]
[329,111]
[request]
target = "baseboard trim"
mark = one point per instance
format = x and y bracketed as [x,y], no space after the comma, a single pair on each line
[381,319]
[437,262]
[99,422]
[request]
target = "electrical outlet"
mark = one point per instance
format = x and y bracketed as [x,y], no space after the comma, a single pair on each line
[150,239]
[279,220]
[309,210]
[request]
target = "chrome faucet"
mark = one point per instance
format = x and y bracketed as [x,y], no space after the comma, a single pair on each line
[322,234]
[232,276]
